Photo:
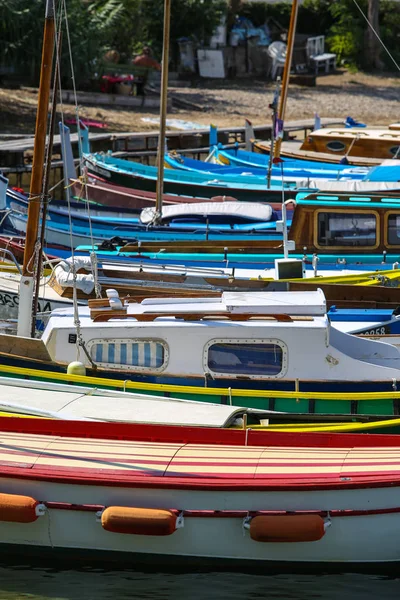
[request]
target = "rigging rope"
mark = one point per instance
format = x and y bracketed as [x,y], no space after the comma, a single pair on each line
[377,34]
[80,341]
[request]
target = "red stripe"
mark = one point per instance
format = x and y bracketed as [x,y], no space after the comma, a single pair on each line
[169,434]
[91,477]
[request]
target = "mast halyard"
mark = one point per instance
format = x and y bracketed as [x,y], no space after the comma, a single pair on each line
[286,72]
[35,192]
[163,111]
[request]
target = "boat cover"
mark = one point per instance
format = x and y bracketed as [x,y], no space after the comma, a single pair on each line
[254,211]
[293,303]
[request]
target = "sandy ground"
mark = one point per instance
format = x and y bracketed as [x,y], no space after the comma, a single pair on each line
[373,99]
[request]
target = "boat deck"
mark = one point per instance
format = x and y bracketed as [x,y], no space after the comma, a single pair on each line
[175,463]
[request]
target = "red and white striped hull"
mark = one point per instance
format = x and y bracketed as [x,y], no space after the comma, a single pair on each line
[352,483]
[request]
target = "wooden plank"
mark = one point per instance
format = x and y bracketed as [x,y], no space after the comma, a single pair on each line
[25,347]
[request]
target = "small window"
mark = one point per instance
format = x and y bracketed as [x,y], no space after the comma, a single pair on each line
[251,358]
[394,229]
[130,354]
[395,150]
[344,229]
[336,146]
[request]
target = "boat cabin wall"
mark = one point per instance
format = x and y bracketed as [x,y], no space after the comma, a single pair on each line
[346,228]
[255,350]
[364,143]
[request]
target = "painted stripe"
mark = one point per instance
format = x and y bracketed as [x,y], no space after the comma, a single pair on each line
[123,354]
[99,353]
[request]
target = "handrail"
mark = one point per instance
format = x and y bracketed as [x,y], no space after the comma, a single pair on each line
[12,257]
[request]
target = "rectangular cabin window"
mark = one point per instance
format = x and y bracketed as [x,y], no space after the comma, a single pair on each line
[393,234]
[262,359]
[345,230]
[128,353]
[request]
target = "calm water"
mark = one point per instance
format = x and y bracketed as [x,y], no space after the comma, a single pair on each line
[96,584]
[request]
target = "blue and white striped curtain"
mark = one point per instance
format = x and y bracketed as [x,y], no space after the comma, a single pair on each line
[134,353]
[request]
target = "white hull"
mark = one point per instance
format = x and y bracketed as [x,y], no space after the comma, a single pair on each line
[358,539]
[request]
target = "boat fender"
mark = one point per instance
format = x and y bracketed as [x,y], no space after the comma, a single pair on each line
[76,368]
[140,521]
[20,509]
[286,528]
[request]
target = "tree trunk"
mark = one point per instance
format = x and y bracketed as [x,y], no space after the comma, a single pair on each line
[373,46]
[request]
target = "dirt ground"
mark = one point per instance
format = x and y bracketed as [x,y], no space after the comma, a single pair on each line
[373,99]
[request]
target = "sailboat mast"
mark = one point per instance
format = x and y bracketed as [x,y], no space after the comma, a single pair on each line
[163,109]
[286,71]
[27,278]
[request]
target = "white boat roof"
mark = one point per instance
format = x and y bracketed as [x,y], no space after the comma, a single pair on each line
[352,185]
[247,210]
[72,403]
[293,303]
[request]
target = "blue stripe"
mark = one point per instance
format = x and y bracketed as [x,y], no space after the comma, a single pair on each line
[123,354]
[147,355]
[111,353]
[99,352]
[135,355]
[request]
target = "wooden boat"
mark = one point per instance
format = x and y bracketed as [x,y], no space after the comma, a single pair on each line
[138,176]
[224,163]
[206,220]
[343,231]
[246,340]
[242,187]
[50,400]
[197,494]
[242,158]
[97,189]
[374,143]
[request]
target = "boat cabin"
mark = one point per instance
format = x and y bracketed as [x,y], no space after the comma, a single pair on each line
[377,143]
[252,336]
[329,224]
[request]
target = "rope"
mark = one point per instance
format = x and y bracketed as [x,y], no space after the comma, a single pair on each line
[81,166]
[80,343]
[376,34]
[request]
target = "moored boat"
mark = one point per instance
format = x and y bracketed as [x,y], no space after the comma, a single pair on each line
[166,493]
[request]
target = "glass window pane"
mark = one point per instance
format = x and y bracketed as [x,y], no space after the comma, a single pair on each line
[245,359]
[394,229]
[342,229]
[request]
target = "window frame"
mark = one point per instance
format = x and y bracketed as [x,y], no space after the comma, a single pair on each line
[133,368]
[336,149]
[390,213]
[248,342]
[342,211]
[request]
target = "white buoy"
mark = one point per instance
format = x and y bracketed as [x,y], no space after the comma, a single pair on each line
[76,368]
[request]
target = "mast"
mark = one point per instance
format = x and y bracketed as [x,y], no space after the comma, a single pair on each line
[163,110]
[286,72]
[27,278]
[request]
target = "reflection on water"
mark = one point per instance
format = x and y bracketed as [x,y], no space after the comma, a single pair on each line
[37,583]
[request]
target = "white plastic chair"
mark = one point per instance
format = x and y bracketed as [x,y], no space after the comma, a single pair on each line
[277,53]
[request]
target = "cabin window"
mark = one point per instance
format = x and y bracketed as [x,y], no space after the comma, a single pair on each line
[393,233]
[251,358]
[395,150]
[336,146]
[149,355]
[346,230]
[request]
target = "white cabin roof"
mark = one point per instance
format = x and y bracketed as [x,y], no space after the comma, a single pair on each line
[293,303]
[246,210]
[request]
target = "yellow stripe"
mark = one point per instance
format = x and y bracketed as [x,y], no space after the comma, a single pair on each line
[155,388]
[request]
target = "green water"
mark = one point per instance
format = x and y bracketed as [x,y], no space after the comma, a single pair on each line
[36,583]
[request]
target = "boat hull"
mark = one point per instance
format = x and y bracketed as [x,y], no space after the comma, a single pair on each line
[352,492]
